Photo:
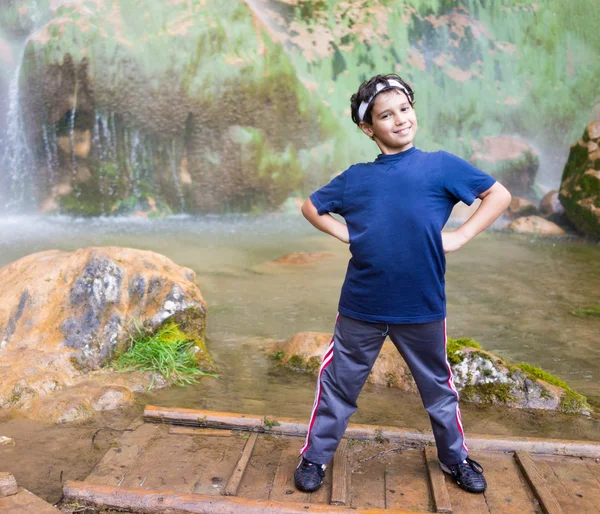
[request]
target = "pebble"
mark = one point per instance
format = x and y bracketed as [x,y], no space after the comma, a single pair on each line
[6,441]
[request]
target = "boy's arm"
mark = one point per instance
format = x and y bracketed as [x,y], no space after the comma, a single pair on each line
[494,202]
[326,223]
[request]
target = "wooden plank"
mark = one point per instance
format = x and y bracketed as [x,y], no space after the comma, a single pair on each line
[238,471]
[581,486]
[339,481]
[158,502]
[539,486]
[406,482]
[216,432]
[119,461]
[283,484]
[25,502]
[437,481]
[367,477]
[418,440]
[507,491]
[260,473]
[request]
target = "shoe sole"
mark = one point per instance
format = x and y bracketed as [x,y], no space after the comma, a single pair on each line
[307,490]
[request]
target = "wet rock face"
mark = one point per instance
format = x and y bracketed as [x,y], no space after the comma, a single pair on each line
[510,159]
[64,314]
[580,186]
[179,110]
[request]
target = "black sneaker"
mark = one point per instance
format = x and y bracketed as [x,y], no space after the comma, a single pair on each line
[468,475]
[308,476]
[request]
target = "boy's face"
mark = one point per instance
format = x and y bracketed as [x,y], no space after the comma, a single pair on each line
[394,122]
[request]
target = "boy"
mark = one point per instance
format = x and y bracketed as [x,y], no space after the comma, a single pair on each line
[395,209]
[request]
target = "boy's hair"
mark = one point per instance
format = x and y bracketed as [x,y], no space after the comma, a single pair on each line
[369,89]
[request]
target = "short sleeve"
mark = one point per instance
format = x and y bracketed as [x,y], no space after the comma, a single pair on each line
[330,198]
[462,180]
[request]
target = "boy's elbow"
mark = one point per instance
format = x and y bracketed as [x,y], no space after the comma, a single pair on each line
[507,197]
[307,207]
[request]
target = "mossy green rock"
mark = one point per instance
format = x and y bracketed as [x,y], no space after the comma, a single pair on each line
[580,185]
[479,376]
[190,104]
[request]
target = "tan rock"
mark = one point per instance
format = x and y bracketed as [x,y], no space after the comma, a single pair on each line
[536,225]
[550,204]
[302,257]
[593,130]
[65,313]
[305,350]
[82,143]
[8,484]
[520,207]
[500,148]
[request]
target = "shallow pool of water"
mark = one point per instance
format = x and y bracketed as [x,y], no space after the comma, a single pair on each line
[511,293]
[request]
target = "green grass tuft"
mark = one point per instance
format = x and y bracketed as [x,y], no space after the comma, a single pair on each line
[168,352]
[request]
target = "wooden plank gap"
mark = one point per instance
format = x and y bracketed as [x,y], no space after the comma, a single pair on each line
[340,475]
[217,432]
[538,485]
[238,471]
[437,481]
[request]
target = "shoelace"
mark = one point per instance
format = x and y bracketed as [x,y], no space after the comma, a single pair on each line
[475,466]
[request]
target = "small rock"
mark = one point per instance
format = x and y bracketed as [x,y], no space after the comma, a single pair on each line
[520,207]
[302,257]
[550,204]
[536,225]
[8,485]
[112,399]
[6,441]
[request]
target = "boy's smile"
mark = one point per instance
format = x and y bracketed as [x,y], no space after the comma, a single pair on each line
[394,122]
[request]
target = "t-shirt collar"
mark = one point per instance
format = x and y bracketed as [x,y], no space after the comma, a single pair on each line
[393,157]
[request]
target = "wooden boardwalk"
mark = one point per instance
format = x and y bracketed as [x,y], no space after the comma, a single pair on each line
[187,461]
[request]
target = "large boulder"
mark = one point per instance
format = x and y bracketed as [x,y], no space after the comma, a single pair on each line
[580,185]
[64,314]
[190,104]
[479,376]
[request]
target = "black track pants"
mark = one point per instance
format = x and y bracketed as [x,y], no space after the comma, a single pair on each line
[346,366]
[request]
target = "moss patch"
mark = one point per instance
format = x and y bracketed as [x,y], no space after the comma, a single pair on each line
[488,393]
[455,345]
[573,402]
[535,372]
[587,312]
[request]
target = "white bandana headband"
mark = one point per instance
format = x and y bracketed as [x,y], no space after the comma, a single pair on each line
[381,86]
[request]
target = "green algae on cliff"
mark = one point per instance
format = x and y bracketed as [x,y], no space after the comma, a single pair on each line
[580,184]
[198,90]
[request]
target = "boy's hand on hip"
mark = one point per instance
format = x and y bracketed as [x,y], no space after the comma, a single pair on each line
[452,241]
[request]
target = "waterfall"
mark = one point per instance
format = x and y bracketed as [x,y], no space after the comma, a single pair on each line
[17,161]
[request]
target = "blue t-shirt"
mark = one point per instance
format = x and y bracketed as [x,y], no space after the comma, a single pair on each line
[395,209]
